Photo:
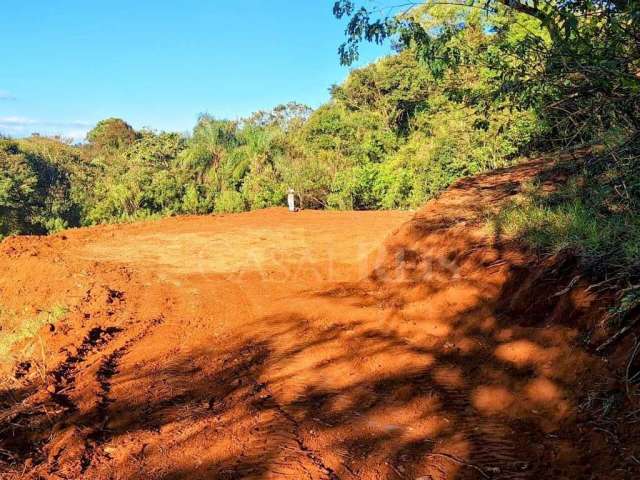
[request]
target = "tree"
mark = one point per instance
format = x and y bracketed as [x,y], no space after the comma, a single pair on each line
[284,116]
[36,194]
[578,62]
[208,147]
[559,18]
[396,87]
[112,134]
[18,182]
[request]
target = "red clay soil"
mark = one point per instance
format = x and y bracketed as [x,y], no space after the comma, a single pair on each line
[271,345]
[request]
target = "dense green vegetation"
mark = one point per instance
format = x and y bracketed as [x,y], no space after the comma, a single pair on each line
[473,86]
[390,137]
[576,64]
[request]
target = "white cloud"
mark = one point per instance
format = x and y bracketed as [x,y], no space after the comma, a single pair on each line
[17,126]
[77,135]
[4,95]
[17,121]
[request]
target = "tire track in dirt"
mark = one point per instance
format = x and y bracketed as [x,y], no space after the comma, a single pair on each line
[270,402]
[296,451]
[63,381]
[108,368]
[64,377]
[96,340]
[493,440]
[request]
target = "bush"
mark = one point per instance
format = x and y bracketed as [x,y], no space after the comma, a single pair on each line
[229,201]
[310,177]
[354,189]
[36,193]
[194,201]
[263,188]
[56,224]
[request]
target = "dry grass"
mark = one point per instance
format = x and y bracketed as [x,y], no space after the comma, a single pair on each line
[21,339]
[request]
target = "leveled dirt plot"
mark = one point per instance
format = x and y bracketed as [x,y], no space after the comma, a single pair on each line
[266,240]
[269,346]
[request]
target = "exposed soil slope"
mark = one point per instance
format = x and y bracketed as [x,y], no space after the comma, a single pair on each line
[276,345]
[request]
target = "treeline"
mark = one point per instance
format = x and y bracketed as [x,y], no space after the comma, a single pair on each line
[390,137]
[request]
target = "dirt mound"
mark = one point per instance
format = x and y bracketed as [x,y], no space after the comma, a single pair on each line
[277,345]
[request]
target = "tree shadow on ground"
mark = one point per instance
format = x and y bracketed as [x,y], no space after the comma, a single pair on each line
[455,358]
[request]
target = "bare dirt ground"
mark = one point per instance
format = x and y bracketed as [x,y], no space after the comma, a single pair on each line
[315,345]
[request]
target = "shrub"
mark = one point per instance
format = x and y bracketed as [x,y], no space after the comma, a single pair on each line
[36,193]
[229,201]
[194,201]
[263,188]
[354,189]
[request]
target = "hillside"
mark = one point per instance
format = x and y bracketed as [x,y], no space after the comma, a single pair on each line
[350,345]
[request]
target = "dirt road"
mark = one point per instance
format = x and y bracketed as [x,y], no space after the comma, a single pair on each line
[318,345]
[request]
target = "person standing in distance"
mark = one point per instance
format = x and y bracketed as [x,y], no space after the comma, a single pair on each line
[291,200]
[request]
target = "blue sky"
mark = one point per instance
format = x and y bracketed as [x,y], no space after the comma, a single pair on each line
[66,64]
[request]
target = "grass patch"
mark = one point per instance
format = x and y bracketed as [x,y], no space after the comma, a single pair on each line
[595,216]
[574,219]
[24,332]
